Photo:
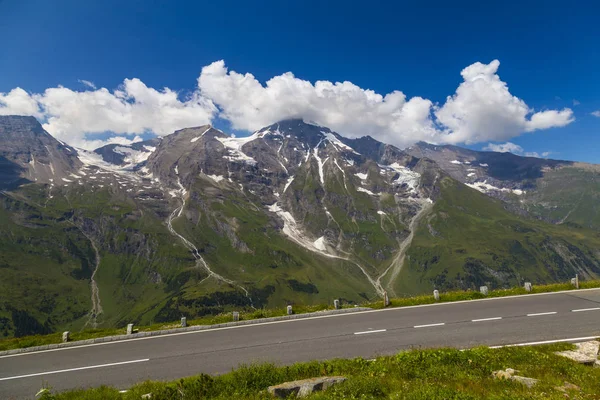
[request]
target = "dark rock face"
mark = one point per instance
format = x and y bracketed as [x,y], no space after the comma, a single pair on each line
[29,153]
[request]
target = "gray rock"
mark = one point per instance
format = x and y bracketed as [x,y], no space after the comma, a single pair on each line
[586,353]
[305,387]
[529,382]
[509,374]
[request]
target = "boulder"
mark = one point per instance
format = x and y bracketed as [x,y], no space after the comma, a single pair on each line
[585,353]
[304,387]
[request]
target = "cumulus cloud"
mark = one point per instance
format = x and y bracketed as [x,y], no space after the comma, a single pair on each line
[19,102]
[507,147]
[595,113]
[482,108]
[134,108]
[87,83]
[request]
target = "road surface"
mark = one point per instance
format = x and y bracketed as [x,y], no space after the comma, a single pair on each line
[509,320]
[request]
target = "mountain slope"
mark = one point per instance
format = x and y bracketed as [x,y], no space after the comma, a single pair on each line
[30,154]
[555,191]
[201,222]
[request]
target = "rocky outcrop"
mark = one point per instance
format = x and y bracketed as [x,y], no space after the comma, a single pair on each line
[305,387]
[585,353]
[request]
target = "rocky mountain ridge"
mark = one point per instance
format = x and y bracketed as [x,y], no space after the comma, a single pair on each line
[202,222]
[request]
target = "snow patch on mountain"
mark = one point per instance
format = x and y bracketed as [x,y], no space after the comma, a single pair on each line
[234,146]
[337,143]
[288,183]
[405,175]
[216,178]
[132,157]
[319,244]
[485,187]
[367,191]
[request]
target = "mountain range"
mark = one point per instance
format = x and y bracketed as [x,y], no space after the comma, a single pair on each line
[200,222]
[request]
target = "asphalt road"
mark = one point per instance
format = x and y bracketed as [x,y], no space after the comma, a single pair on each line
[502,321]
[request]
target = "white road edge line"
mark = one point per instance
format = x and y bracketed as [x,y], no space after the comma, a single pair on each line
[578,339]
[367,332]
[73,369]
[486,319]
[429,325]
[586,309]
[541,313]
[394,309]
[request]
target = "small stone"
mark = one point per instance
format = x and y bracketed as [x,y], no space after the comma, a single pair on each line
[528,286]
[289,310]
[501,374]
[66,336]
[483,290]
[183,322]
[436,295]
[236,316]
[147,396]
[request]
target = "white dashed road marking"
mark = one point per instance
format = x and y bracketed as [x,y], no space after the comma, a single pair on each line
[73,369]
[586,309]
[366,332]
[429,325]
[542,313]
[486,319]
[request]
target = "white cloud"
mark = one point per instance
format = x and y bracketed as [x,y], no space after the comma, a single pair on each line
[342,106]
[87,83]
[576,102]
[482,109]
[596,113]
[134,108]
[19,102]
[507,147]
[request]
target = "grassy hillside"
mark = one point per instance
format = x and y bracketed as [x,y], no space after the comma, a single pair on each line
[568,195]
[469,240]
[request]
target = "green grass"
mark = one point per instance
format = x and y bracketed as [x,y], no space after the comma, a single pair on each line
[41,340]
[411,375]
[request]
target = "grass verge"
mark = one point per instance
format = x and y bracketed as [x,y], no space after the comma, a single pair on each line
[411,375]
[41,340]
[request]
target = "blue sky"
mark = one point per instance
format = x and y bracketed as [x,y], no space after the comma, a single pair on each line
[548,53]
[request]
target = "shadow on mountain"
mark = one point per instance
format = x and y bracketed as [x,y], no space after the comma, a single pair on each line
[507,166]
[10,174]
